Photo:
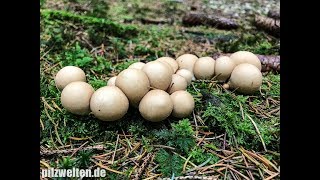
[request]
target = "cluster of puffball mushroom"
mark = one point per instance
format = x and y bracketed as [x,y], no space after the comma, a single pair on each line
[157,88]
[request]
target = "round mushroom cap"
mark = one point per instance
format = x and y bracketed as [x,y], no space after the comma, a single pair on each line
[246,57]
[109,103]
[75,97]
[112,81]
[186,74]
[178,83]
[167,65]
[159,75]
[137,65]
[134,83]
[223,68]
[186,61]
[156,105]
[245,78]
[183,104]
[173,63]
[204,68]
[67,75]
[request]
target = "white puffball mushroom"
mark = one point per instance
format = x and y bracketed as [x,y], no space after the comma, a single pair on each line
[204,68]
[245,78]
[109,103]
[137,65]
[223,68]
[159,75]
[186,61]
[167,65]
[172,62]
[178,83]
[112,81]
[186,74]
[75,97]
[67,75]
[183,104]
[134,83]
[240,57]
[156,105]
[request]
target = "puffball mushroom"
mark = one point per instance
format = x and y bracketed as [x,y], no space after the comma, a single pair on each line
[223,68]
[246,57]
[186,61]
[137,65]
[109,103]
[159,75]
[204,68]
[75,97]
[156,105]
[186,74]
[183,104]
[112,81]
[134,83]
[173,63]
[178,83]
[168,66]
[67,75]
[245,78]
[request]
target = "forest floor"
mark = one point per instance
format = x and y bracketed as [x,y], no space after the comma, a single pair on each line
[237,138]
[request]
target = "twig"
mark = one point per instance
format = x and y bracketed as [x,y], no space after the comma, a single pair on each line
[67,151]
[115,149]
[245,162]
[239,173]
[76,150]
[142,167]
[255,126]
[163,146]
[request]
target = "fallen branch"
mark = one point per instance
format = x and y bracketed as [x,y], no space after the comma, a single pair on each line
[219,22]
[68,151]
[270,25]
[190,177]
[268,62]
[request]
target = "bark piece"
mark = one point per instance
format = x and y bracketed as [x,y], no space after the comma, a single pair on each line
[270,25]
[219,22]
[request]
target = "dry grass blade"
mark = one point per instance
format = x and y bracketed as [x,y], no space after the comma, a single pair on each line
[152,177]
[41,123]
[47,105]
[115,150]
[56,106]
[163,146]
[242,175]
[255,126]
[45,164]
[185,159]
[272,176]
[107,168]
[185,164]
[57,134]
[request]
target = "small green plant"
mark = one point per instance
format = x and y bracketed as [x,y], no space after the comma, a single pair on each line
[169,163]
[83,160]
[66,163]
[199,156]
[180,137]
